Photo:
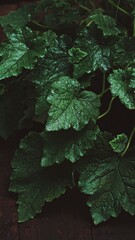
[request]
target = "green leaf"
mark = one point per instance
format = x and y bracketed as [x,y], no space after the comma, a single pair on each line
[21,51]
[122,85]
[11,108]
[18,18]
[61,14]
[101,149]
[124,52]
[106,23]
[91,51]
[68,145]
[77,55]
[109,181]
[50,68]
[118,144]
[34,184]
[70,107]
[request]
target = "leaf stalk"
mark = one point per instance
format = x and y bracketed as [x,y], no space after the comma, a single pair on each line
[134,27]
[108,110]
[118,7]
[129,142]
[38,24]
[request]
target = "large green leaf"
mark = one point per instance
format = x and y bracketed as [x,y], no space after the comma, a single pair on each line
[49,69]
[91,51]
[68,145]
[60,14]
[21,51]
[122,85]
[18,18]
[69,106]
[109,180]
[34,184]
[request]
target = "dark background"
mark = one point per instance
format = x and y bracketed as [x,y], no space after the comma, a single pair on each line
[3,2]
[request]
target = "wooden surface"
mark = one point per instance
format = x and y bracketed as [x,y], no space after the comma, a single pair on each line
[66,218]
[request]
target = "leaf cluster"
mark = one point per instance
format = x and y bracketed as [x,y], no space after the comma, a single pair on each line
[52,56]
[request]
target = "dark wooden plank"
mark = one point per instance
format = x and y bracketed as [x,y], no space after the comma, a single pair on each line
[74,227]
[8,220]
[8,209]
[116,229]
[60,220]
[115,232]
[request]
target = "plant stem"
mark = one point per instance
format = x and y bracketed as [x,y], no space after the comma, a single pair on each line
[92,4]
[103,85]
[129,141]
[134,27]
[38,24]
[89,23]
[82,6]
[118,7]
[103,92]
[85,8]
[104,78]
[73,175]
[116,14]
[108,110]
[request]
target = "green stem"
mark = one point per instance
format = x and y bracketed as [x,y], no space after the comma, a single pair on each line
[73,175]
[128,65]
[92,4]
[38,24]
[129,141]
[82,6]
[103,85]
[134,27]
[108,110]
[101,94]
[118,7]
[104,80]
[85,8]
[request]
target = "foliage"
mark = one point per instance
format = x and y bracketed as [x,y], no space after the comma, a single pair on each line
[52,61]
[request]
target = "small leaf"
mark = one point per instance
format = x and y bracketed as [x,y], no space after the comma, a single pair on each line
[118,144]
[120,81]
[70,107]
[76,55]
[106,23]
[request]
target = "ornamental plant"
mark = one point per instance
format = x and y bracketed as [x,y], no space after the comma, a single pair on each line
[64,64]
